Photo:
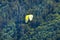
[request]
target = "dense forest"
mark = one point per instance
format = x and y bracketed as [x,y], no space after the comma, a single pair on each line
[44,26]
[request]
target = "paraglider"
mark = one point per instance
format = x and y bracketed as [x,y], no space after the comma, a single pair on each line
[28,18]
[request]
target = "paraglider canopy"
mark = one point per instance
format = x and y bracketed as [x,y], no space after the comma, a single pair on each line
[28,17]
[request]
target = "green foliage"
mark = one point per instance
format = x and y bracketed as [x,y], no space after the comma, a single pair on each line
[45,23]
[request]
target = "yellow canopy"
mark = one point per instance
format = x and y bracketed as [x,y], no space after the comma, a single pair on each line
[28,17]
